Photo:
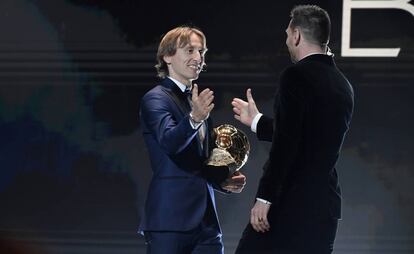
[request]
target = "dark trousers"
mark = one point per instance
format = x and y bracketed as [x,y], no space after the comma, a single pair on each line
[202,240]
[206,238]
[288,237]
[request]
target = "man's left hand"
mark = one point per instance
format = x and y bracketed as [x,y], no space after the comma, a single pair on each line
[258,217]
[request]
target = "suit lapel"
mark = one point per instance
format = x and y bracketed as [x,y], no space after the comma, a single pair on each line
[179,98]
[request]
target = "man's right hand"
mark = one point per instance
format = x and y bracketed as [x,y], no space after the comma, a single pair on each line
[245,111]
[234,183]
[202,104]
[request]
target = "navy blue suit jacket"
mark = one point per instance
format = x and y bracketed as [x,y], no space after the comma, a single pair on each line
[179,191]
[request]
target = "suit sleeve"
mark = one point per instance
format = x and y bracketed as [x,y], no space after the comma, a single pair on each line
[157,114]
[289,110]
[264,129]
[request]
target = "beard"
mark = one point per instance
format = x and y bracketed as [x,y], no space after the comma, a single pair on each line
[293,58]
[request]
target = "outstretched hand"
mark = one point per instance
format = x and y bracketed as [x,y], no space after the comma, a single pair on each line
[245,111]
[202,103]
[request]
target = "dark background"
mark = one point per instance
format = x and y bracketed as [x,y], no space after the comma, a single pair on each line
[74,168]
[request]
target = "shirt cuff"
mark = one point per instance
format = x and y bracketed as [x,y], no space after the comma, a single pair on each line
[264,201]
[255,121]
[196,125]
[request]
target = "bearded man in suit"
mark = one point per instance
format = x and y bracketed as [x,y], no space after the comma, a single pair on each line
[298,202]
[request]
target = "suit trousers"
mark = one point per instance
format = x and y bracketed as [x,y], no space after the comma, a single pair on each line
[290,237]
[206,238]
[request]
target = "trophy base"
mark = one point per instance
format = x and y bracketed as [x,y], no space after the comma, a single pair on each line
[221,157]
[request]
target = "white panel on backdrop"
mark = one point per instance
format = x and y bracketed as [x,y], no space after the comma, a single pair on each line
[368,4]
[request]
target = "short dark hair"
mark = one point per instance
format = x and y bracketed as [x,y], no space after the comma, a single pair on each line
[177,37]
[314,23]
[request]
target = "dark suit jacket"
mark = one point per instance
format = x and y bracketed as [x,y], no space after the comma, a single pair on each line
[312,113]
[179,190]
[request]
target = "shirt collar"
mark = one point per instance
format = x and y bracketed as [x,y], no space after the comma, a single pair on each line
[179,84]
